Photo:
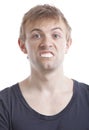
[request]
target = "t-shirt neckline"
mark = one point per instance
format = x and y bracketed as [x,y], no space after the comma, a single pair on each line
[48,117]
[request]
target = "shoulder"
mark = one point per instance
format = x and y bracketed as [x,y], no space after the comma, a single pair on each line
[8,91]
[81,85]
[7,97]
[81,88]
[7,94]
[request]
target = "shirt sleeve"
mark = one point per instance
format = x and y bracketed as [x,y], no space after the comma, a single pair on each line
[4,125]
[4,114]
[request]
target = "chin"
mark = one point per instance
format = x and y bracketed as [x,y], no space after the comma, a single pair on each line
[48,67]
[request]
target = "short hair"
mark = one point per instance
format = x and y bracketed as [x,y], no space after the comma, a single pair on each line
[43,12]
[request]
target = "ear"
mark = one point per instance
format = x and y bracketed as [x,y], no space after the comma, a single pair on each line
[22,46]
[68,44]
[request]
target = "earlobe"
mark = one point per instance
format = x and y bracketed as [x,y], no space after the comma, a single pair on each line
[22,46]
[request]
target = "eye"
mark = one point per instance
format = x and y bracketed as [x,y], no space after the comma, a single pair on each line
[36,36]
[56,36]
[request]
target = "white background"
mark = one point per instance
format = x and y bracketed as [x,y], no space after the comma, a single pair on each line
[14,65]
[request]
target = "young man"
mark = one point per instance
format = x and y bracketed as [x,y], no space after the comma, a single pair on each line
[47,99]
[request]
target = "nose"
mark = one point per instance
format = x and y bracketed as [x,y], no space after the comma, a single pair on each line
[46,43]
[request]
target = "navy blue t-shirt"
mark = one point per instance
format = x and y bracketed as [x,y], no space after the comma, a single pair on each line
[16,114]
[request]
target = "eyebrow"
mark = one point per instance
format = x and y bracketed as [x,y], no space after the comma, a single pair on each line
[37,29]
[57,28]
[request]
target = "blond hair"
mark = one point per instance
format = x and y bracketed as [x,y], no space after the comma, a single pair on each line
[40,12]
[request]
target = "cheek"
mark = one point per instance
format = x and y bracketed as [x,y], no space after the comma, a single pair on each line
[31,50]
[62,47]
[28,46]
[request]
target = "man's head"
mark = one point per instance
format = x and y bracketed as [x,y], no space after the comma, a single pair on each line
[45,36]
[43,12]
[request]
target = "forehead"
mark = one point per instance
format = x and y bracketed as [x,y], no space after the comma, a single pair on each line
[45,25]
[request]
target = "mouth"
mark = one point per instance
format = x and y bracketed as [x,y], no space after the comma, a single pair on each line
[46,54]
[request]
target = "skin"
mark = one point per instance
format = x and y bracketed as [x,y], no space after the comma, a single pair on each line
[46,46]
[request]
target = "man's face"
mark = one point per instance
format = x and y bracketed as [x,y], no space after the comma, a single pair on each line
[46,44]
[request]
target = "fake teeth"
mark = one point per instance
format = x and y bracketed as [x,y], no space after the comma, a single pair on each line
[47,55]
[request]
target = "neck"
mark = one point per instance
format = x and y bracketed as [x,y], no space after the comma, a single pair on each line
[48,81]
